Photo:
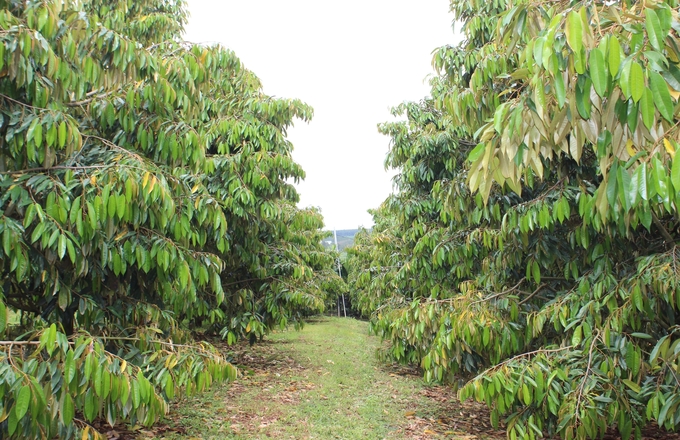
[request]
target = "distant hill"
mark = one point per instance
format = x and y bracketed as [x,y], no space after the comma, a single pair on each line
[345,239]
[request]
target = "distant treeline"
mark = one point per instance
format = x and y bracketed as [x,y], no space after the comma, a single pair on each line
[345,239]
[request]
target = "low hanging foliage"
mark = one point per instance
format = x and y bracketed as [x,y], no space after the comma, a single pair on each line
[531,247]
[144,197]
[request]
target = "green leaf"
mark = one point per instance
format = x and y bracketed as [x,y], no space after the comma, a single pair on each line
[477,152]
[637,81]
[120,206]
[112,206]
[672,76]
[69,368]
[7,241]
[632,385]
[22,402]
[560,92]
[574,31]
[12,420]
[30,133]
[624,78]
[636,297]
[640,175]
[67,409]
[611,185]
[169,387]
[583,103]
[526,394]
[647,108]
[3,316]
[633,115]
[536,272]
[657,349]
[624,180]
[662,98]
[51,339]
[675,173]
[91,408]
[654,32]
[98,380]
[62,246]
[71,251]
[38,135]
[577,337]
[614,58]
[663,414]
[62,135]
[136,394]
[598,73]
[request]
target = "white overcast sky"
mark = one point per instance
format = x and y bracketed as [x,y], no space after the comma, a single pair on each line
[351,60]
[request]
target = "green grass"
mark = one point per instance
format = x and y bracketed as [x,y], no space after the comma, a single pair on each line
[353,397]
[323,382]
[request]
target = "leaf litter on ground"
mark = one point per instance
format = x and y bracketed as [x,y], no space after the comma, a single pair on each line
[324,382]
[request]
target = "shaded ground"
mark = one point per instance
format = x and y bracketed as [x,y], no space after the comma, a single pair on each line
[324,383]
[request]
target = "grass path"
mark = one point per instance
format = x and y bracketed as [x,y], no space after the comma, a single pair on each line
[323,383]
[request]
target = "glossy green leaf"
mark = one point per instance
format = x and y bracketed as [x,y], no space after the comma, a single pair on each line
[67,409]
[598,73]
[23,401]
[624,78]
[647,108]
[662,97]
[654,32]
[69,367]
[614,55]
[636,81]
[62,135]
[3,316]
[675,173]
[560,92]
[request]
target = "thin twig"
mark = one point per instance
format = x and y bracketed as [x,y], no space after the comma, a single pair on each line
[534,293]
[505,292]
[661,228]
[87,100]
[58,167]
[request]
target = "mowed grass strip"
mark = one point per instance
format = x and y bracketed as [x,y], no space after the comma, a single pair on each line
[323,382]
[354,397]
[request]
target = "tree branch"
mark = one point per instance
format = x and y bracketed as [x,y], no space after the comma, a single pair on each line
[534,293]
[663,229]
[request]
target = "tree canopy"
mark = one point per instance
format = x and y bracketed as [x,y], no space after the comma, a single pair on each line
[530,248]
[146,195]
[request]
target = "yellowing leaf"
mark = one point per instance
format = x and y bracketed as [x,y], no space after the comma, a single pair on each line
[669,148]
[574,31]
[145,179]
[674,94]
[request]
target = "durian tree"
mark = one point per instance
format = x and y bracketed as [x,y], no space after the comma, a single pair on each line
[146,197]
[530,249]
